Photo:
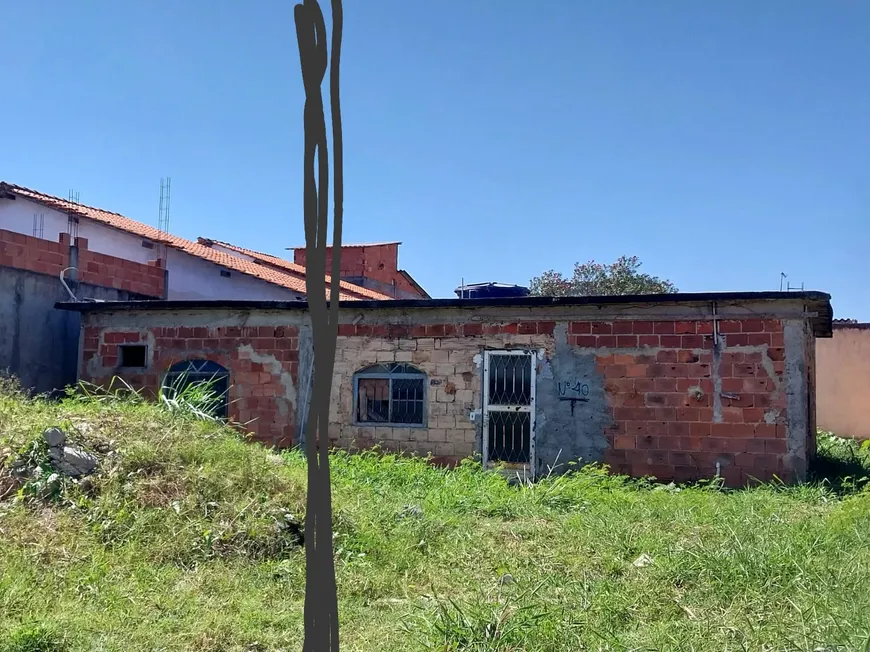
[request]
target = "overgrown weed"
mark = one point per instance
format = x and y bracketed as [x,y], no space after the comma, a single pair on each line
[188,537]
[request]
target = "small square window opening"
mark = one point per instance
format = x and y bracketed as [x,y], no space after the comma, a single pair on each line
[225,273]
[132,355]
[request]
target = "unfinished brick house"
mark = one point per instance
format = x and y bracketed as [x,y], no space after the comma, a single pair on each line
[678,386]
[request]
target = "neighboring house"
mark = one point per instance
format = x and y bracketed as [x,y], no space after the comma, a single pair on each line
[39,343]
[107,256]
[843,389]
[678,386]
[375,266]
[194,270]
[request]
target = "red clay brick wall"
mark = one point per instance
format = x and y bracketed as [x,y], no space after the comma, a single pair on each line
[263,363]
[659,383]
[32,254]
[667,421]
[678,405]
[109,271]
[377,262]
[46,257]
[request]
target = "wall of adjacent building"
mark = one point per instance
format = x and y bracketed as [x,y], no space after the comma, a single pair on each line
[187,276]
[843,381]
[38,343]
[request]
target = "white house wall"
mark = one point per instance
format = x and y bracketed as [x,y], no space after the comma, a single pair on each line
[102,239]
[194,278]
[16,215]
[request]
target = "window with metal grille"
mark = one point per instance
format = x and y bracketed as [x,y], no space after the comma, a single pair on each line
[509,414]
[202,382]
[392,394]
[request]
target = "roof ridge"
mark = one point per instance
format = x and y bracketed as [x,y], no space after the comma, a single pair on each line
[230,245]
[68,201]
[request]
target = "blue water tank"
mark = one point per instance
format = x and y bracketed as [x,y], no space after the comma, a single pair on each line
[491,291]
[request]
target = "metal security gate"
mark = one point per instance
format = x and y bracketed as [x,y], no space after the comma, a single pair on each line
[509,410]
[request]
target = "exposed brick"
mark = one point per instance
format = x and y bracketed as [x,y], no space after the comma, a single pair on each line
[680,430]
[668,356]
[642,327]
[658,422]
[752,326]
[692,341]
[776,446]
[665,384]
[615,371]
[698,429]
[766,430]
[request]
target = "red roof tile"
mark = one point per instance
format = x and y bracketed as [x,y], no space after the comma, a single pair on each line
[263,272]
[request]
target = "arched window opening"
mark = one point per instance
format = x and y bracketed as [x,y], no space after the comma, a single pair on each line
[201,384]
[392,394]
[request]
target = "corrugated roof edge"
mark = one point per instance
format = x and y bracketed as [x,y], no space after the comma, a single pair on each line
[851,325]
[822,323]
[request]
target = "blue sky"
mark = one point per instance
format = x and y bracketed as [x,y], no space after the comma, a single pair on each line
[721,142]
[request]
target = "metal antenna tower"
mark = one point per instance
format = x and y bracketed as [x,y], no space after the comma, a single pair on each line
[163,210]
[163,214]
[72,218]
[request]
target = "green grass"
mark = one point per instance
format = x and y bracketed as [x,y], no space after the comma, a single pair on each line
[187,539]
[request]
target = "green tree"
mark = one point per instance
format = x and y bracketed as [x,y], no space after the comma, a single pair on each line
[596,279]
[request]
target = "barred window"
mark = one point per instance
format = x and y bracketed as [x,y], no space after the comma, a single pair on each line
[203,382]
[392,394]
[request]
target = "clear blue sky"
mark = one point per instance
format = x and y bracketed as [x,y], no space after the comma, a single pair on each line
[722,142]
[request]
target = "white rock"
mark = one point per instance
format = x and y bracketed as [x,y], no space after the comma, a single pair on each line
[643,561]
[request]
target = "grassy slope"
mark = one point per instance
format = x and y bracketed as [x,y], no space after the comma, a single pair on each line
[175,547]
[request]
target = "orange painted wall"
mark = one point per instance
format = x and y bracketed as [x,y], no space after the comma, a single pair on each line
[843,381]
